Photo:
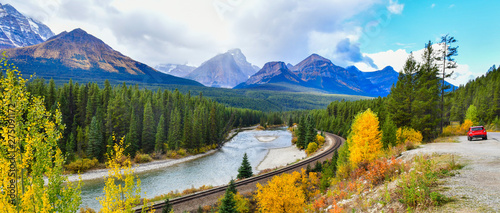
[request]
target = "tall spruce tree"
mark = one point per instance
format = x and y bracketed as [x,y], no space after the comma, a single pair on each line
[160,135]
[187,138]
[310,131]
[174,130]
[228,203]
[132,141]
[301,133]
[148,129]
[403,94]
[245,170]
[389,130]
[95,139]
[426,110]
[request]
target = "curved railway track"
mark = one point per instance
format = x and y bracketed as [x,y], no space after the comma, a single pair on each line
[337,140]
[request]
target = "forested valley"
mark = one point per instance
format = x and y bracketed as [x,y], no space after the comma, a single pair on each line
[152,122]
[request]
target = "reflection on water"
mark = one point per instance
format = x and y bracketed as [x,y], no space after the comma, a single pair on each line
[216,169]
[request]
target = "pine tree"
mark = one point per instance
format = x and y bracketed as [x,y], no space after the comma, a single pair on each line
[232,187]
[132,140]
[70,146]
[402,94]
[168,206]
[310,132]
[213,126]
[160,135]
[148,129]
[187,137]
[426,110]
[174,130]
[301,134]
[228,203]
[80,141]
[245,170]
[95,139]
[389,130]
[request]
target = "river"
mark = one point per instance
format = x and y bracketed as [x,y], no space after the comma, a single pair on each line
[215,169]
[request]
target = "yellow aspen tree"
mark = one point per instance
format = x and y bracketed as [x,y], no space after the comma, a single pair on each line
[309,183]
[121,192]
[365,138]
[31,164]
[281,194]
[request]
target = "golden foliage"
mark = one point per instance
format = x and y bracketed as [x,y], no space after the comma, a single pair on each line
[365,139]
[464,128]
[281,194]
[82,165]
[457,130]
[120,191]
[405,135]
[31,164]
[320,140]
[311,148]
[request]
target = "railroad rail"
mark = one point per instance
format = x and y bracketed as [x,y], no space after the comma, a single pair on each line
[337,140]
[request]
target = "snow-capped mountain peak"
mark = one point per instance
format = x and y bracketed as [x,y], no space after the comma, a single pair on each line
[18,30]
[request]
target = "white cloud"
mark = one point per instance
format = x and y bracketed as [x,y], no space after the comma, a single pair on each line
[394,7]
[191,31]
[396,59]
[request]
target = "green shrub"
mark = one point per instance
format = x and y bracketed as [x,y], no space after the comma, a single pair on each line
[181,152]
[172,154]
[416,187]
[82,165]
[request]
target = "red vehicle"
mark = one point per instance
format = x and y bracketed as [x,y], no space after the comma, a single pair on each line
[477,132]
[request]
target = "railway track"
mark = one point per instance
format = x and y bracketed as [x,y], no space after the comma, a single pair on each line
[221,189]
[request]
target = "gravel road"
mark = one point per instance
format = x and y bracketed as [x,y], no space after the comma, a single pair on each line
[477,187]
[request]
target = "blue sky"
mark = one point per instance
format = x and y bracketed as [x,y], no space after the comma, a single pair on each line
[473,23]
[369,34]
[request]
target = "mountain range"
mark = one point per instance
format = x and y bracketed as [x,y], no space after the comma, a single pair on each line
[17,30]
[83,57]
[316,73]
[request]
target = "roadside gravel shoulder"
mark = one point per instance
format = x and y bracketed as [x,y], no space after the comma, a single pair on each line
[477,186]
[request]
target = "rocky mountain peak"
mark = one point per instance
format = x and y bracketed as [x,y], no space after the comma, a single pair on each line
[17,30]
[224,70]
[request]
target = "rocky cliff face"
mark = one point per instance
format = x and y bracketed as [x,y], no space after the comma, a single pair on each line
[17,30]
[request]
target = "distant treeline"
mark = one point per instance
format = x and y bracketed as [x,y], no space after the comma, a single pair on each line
[151,121]
[482,92]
